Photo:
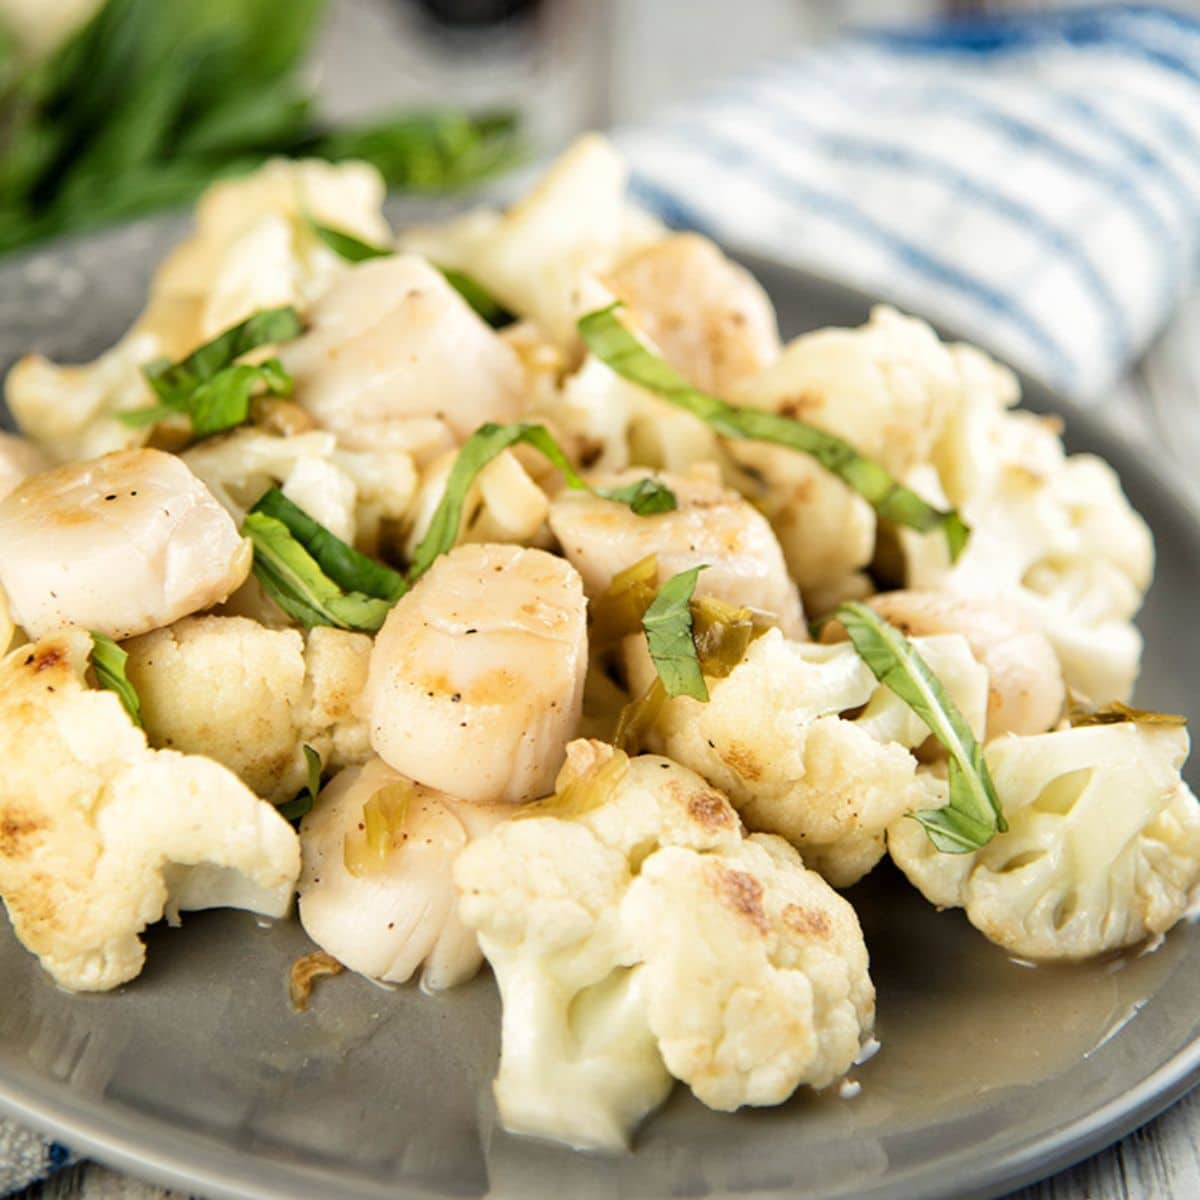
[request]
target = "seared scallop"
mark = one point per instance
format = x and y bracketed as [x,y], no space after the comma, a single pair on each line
[476,678]
[121,545]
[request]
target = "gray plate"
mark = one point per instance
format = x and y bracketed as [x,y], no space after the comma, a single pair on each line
[197,1075]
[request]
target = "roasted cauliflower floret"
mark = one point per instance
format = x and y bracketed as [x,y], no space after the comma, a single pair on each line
[791,998]
[636,935]
[120,545]
[18,460]
[381,899]
[476,678]
[712,525]
[253,698]
[887,388]
[395,354]
[252,248]
[100,835]
[710,317]
[1025,684]
[1102,848]
[1052,535]
[777,736]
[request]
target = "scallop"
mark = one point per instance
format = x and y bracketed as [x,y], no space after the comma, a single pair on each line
[393,347]
[711,318]
[121,545]
[387,916]
[476,678]
[712,525]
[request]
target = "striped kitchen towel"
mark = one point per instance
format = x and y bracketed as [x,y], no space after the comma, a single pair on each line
[26,1157]
[1030,181]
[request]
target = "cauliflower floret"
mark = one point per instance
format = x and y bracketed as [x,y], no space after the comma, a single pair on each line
[252,248]
[100,836]
[772,737]
[476,679]
[397,908]
[396,356]
[18,460]
[1055,537]
[887,388]
[710,317]
[1102,848]
[635,935]
[120,545]
[711,525]
[1025,684]
[253,698]
[788,1005]
[355,494]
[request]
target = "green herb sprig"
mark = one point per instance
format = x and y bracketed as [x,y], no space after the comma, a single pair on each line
[151,100]
[616,346]
[973,815]
[108,661]
[301,805]
[669,628]
[209,386]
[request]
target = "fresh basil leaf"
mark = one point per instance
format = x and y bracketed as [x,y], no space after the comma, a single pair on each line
[611,342]
[295,581]
[223,402]
[973,815]
[346,245]
[349,569]
[431,151]
[299,807]
[668,626]
[645,497]
[108,661]
[478,297]
[175,383]
[471,290]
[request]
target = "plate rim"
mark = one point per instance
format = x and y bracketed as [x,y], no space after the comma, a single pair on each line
[180,1160]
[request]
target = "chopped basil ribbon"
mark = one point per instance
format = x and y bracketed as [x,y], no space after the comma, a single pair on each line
[619,349]
[348,568]
[313,576]
[645,497]
[668,626]
[973,816]
[108,661]
[354,250]
[303,803]
[209,386]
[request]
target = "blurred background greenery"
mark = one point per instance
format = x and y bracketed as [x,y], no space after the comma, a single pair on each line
[112,109]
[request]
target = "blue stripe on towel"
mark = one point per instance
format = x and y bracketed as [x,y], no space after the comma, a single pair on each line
[902,161]
[908,253]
